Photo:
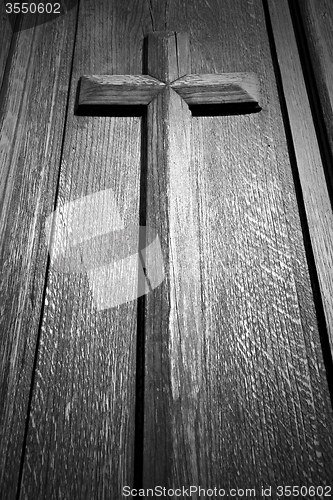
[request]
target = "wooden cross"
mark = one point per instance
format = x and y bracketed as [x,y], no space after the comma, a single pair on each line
[168,92]
[170,318]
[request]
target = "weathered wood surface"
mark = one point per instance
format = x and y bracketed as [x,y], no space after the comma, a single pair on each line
[32,115]
[80,441]
[235,386]
[317,19]
[309,161]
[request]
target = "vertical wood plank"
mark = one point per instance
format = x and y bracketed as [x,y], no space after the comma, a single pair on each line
[235,378]
[33,106]
[80,441]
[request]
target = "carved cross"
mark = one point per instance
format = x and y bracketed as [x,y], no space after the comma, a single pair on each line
[168,92]
[170,317]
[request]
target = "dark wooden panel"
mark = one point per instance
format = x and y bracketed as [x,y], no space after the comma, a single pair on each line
[33,106]
[80,442]
[236,390]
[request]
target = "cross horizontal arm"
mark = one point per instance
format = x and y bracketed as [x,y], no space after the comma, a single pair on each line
[124,90]
[225,88]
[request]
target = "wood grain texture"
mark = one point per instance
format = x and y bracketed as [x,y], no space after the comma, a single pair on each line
[236,391]
[118,90]
[235,387]
[80,441]
[232,88]
[309,162]
[32,115]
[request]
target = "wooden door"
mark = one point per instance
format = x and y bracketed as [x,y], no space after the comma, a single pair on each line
[219,377]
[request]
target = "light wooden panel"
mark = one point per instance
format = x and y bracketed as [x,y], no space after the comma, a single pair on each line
[80,442]
[236,390]
[33,105]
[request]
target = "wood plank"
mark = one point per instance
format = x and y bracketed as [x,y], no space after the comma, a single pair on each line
[316,18]
[80,441]
[236,393]
[33,106]
[310,166]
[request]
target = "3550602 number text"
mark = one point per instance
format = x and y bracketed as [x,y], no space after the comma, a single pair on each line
[304,491]
[33,8]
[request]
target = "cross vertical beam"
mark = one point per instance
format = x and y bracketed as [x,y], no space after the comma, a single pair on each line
[168,161]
